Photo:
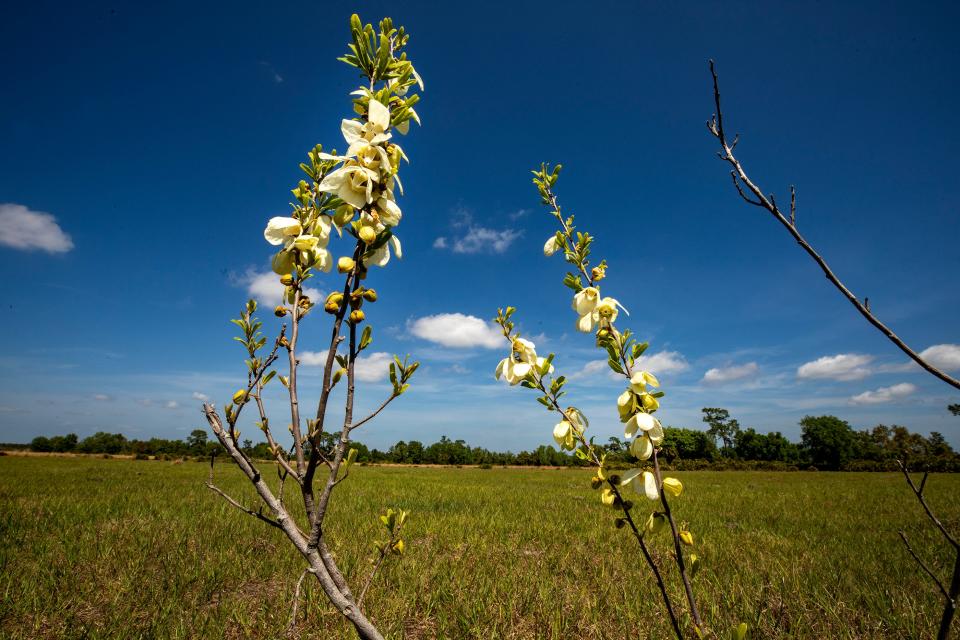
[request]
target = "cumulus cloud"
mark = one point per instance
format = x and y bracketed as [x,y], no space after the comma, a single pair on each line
[21,228]
[265,287]
[480,240]
[662,363]
[457,330]
[202,397]
[171,404]
[469,237]
[884,394]
[945,357]
[843,367]
[369,368]
[723,375]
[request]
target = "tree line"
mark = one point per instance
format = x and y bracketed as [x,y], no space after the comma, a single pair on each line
[826,442]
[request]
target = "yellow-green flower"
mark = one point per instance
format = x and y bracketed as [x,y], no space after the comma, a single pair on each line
[673,486]
[640,380]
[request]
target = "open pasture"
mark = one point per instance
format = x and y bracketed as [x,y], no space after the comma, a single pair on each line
[93,548]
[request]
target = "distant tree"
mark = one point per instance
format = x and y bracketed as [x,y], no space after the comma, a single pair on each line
[688,444]
[197,441]
[954,409]
[41,444]
[103,442]
[722,426]
[827,440]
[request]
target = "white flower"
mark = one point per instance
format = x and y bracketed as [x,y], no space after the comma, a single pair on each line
[515,367]
[380,256]
[646,423]
[373,130]
[642,447]
[606,312]
[550,247]
[648,480]
[282,230]
[640,380]
[352,183]
[585,301]
[568,430]
[564,435]
[388,210]
[370,156]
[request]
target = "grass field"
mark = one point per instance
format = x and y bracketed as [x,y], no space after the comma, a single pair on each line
[94,548]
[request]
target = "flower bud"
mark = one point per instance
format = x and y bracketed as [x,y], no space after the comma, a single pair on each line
[284,343]
[673,485]
[597,274]
[343,215]
[367,234]
[398,547]
[240,396]
[345,264]
[369,295]
[357,316]
[649,402]
[286,279]
[686,538]
[608,497]
[304,302]
[280,311]
[331,307]
[619,523]
[595,482]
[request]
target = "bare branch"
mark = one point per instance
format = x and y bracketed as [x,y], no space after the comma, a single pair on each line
[918,492]
[296,600]
[373,415]
[923,565]
[256,514]
[715,125]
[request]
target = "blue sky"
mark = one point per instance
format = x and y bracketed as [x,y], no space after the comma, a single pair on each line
[161,139]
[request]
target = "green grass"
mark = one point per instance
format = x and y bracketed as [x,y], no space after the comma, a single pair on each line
[95,548]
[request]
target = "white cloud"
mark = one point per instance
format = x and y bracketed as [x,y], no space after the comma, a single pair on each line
[663,363]
[102,397]
[371,368]
[484,240]
[440,243]
[21,228]
[266,288]
[722,375]
[660,364]
[884,394]
[202,397]
[945,357]
[843,367]
[171,404]
[457,330]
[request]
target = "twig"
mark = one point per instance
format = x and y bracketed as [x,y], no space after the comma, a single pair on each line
[918,492]
[923,565]
[383,554]
[296,600]
[256,514]
[715,126]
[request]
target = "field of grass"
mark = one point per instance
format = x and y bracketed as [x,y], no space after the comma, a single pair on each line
[94,548]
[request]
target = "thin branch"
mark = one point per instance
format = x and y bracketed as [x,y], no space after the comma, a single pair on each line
[296,600]
[924,566]
[715,126]
[373,415]
[256,514]
[918,492]
[383,554]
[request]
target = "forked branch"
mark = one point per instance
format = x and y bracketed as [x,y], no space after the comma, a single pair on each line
[752,194]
